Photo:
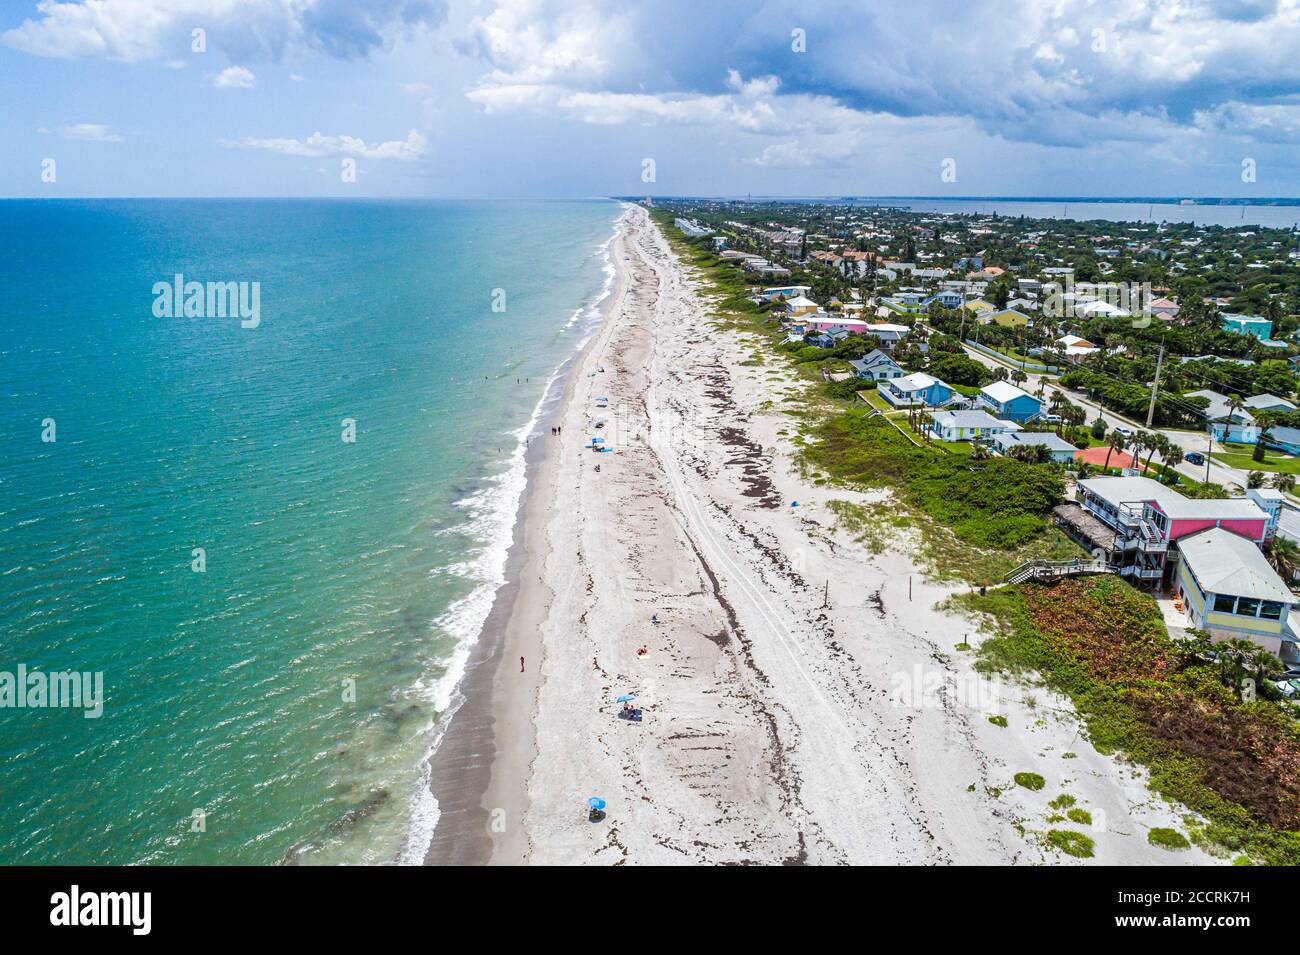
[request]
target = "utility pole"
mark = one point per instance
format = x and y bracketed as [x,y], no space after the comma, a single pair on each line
[1155,385]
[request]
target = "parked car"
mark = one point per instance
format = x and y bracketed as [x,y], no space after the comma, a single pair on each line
[1288,688]
[1194,457]
[1050,419]
[1120,429]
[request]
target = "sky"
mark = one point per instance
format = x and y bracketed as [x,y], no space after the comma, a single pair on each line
[563,98]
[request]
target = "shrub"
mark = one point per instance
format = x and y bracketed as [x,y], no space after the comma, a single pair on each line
[1170,839]
[998,720]
[1081,816]
[1030,781]
[1071,843]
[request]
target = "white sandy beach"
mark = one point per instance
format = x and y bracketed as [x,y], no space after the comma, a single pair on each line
[777,729]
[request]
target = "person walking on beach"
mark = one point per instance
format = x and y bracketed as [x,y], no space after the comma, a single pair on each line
[521,664]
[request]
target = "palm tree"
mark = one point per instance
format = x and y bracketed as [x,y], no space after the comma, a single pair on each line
[1171,454]
[1255,479]
[1156,443]
[1235,404]
[1116,443]
[1284,482]
[1285,555]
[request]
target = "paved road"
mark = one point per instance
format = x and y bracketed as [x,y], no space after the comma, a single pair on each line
[1187,440]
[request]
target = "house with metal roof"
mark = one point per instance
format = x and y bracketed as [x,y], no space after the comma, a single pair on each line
[1059,450]
[965,425]
[1005,400]
[917,389]
[876,366]
[1144,519]
[1230,589]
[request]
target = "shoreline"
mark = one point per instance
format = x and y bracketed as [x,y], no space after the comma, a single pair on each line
[780,666]
[487,746]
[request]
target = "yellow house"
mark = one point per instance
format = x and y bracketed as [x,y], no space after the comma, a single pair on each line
[980,307]
[800,305]
[1230,590]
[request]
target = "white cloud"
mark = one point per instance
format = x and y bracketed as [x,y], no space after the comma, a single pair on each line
[410,149]
[136,30]
[87,132]
[235,77]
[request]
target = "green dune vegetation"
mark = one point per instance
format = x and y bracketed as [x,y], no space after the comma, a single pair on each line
[1186,714]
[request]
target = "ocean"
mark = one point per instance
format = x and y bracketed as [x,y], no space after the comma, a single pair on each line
[275,532]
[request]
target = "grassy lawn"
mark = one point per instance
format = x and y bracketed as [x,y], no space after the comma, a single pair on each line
[1239,456]
[874,398]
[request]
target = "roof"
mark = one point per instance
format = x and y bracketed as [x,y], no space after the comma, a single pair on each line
[1134,490]
[965,419]
[1267,402]
[1048,439]
[872,359]
[1217,410]
[1004,391]
[800,301]
[916,381]
[1224,563]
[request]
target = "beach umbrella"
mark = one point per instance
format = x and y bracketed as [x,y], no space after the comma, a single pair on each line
[595,802]
[626,697]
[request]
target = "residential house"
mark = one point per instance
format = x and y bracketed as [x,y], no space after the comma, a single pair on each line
[876,366]
[1076,348]
[1007,401]
[917,389]
[980,307]
[1253,325]
[800,305]
[826,339]
[1286,440]
[784,291]
[1230,590]
[1271,502]
[826,322]
[947,298]
[1165,308]
[1059,450]
[1135,521]
[964,425]
[887,334]
[1238,426]
[1259,403]
[909,303]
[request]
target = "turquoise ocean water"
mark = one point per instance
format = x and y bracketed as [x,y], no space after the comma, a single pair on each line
[328,564]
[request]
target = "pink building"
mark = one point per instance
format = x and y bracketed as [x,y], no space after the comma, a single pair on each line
[1144,518]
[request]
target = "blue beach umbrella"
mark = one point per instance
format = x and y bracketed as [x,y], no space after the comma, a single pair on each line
[625,698]
[595,802]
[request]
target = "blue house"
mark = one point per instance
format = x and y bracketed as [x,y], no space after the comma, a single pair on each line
[876,366]
[1260,328]
[1004,400]
[948,298]
[915,389]
[1286,440]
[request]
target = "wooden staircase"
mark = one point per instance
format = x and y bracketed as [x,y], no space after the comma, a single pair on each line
[1050,570]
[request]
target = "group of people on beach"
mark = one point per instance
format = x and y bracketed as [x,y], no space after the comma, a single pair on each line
[556,431]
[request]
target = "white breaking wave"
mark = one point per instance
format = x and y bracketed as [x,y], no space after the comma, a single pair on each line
[492,515]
